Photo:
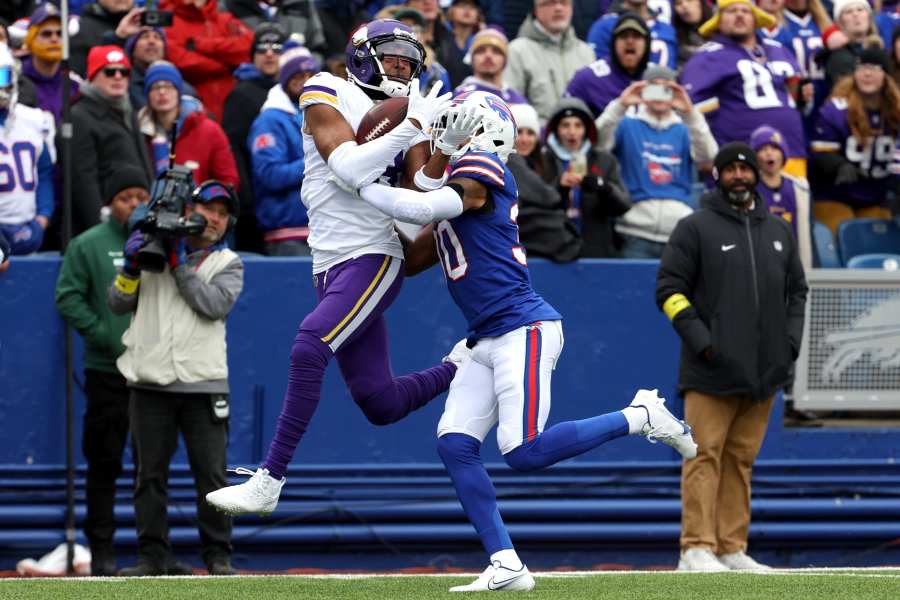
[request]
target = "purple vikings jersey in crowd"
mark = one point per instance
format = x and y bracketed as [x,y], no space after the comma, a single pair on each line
[482,258]
[473,84]
[875,159]
[781,202]
[598,84]
[738,93]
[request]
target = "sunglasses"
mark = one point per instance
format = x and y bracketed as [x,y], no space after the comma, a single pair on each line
[111,72]
[6,76]
[274,47]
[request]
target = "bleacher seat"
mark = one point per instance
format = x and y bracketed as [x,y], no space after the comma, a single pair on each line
[868,236]
[888,262]
[826,249]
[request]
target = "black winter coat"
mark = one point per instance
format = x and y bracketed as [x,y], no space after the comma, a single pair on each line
[101,142]
[544,229]
[603,197]
[741,274]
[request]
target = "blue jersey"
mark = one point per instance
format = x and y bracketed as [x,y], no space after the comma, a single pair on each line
[483,261]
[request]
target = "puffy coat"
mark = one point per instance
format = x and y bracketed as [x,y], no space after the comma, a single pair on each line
[207,46]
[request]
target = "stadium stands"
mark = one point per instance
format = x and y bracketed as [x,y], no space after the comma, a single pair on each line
[868,236]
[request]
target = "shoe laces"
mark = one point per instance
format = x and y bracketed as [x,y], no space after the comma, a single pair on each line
[257,481]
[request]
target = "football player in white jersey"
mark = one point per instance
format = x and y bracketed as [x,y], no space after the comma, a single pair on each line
[27,155]
[357,256]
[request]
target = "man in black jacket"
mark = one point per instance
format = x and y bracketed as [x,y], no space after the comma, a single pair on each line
[105,133]
[731,282]
[95,27]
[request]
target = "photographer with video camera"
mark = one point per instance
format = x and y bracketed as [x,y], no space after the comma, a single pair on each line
[175,361]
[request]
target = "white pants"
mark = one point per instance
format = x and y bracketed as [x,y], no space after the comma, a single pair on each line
[506,381]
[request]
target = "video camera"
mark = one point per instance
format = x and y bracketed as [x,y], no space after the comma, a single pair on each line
[165,218]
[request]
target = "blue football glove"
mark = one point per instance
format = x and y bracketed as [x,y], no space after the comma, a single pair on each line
[135,243]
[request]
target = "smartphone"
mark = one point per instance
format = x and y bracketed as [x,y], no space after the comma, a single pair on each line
[578,164]
[656,91]
[156,18]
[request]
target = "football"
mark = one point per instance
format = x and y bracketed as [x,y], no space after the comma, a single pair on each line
[381,118]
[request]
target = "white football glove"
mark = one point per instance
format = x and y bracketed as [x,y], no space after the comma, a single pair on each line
[425,108]
[460,127]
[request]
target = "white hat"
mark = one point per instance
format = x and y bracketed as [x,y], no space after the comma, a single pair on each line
[526,117]
[842,5]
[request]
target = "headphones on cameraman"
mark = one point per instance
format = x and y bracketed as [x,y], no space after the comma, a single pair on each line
[212,189]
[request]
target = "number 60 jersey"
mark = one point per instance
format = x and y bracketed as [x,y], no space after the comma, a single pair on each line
[483,261]
[738,93]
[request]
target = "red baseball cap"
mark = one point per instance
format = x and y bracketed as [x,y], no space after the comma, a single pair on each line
[101,56]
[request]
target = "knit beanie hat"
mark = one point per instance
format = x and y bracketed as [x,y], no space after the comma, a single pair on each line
[735,152]
[526,117]
[293,61]
[489,37]
[101,56]
[132,40]
[766,134]
[124,176]
[842,5]
[163,70]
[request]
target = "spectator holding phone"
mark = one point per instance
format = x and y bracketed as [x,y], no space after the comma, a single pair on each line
[97,26]
[587,177]
[658,143]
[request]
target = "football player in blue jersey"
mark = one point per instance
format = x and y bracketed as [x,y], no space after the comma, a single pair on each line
[514,336]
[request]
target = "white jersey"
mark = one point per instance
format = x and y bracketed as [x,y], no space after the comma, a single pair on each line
[22,139]
[341,226]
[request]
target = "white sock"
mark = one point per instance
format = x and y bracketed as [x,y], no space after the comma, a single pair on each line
[637,418]
[508,558]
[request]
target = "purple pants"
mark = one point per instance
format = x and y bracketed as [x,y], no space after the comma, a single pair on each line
[348,323]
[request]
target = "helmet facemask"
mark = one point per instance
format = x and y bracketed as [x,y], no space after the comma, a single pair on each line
[378,43]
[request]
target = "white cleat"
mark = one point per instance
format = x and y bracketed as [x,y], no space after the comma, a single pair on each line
[497,578]
[662,425]
[258,495]
[740,561]
[700,560]
[460,354]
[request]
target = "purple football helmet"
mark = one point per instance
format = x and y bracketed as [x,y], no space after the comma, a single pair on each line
[368,47]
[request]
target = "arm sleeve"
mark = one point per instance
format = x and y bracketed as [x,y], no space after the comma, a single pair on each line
[608,124]
[410,206]
[213,300]
[86,197]
[222,164]
[674,284]
[598,37]
[796,302]
[72,289]
[268,148]
[701,77]
[120,301]
[703,145]
[359,164]
[44,194]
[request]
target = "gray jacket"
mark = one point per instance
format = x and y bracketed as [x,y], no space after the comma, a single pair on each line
[540,65]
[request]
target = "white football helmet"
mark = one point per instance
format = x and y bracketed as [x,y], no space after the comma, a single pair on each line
[8,74]
[497,132]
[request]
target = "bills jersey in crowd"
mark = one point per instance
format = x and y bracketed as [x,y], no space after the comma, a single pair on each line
[482,258]
[340,225]
[663,40]
[876,158]
[738,93]
[27,155]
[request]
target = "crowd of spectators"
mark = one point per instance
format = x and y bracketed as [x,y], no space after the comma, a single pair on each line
[822,76]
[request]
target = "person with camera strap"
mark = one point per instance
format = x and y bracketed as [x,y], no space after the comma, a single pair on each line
[175,362]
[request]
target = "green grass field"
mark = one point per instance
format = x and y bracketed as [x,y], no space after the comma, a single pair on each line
[793,585]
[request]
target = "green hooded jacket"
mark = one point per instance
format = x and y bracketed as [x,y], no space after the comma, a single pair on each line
[88,268]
